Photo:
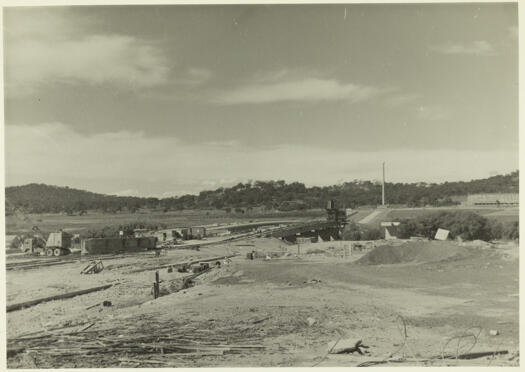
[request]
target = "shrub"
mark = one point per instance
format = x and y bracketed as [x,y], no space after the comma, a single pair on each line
[372,234]
[355,232]
[352,232]
[512,231]
[466,225]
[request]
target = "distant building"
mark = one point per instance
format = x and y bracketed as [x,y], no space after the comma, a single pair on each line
[195,232]
[495,200]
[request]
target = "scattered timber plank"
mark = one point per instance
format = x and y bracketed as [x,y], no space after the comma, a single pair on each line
[127,360]
[179,264]
[37,265]
[86,327]
[26,304]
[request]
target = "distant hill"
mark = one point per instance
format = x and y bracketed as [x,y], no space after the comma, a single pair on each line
[275,195]
[41,198]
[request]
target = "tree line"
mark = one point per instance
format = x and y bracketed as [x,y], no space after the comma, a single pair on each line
[269,195]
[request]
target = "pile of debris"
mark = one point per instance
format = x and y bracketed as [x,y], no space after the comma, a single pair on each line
[142,337]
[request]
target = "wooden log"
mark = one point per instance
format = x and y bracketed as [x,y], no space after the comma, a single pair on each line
[31,303]
[481,354]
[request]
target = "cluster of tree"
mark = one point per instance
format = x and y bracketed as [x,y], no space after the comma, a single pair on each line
[461,224]
[41,198]
[273,195]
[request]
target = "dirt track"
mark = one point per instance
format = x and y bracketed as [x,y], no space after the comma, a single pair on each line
[290,308]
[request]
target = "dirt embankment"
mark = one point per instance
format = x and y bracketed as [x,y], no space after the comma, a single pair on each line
[418,252]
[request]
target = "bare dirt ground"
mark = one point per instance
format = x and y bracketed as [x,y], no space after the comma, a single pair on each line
[282,311]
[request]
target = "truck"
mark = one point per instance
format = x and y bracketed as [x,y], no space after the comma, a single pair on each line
[58,244]
[33,244]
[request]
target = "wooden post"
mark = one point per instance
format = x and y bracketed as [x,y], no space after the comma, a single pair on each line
[156,286]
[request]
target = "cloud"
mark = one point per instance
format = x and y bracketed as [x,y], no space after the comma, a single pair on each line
[479,48]
[127,192]
[130,161]
[282,86]
[513,32]
[433,113]
[401,99]
[65,53]
[198,75]
[94,59]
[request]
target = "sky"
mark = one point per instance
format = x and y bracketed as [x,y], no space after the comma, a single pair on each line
[169,100]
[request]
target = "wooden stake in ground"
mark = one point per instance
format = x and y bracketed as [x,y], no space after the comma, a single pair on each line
[156,286]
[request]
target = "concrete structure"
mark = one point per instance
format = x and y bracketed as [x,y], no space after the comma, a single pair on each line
[494,200]
[195,232]
[165,235]
[391,229]
[198,232]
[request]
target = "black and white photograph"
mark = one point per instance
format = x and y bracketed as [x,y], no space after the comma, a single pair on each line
[235,185]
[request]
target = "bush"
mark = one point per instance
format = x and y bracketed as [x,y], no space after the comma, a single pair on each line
[352,232]
[512,231]
[372,234]
[465,225]
[355,232]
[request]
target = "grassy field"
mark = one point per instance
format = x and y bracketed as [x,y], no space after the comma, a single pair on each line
[97,220]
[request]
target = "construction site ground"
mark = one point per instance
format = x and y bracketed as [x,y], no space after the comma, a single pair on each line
[285,308]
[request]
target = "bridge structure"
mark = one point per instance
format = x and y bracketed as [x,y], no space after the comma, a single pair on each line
[329,229]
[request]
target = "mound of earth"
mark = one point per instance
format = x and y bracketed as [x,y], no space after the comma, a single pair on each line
[429,251]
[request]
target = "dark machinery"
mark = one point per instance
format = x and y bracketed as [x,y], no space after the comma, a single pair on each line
[336,215]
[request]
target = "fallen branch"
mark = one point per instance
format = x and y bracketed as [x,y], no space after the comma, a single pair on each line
[478,354]
[349,350]
[260,320]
